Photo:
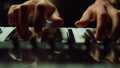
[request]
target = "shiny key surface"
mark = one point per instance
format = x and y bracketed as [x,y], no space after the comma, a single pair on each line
[78,33]
[5,32]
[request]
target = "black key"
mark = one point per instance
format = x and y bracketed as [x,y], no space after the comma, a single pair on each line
[9,37]
[71,39]
[1,31]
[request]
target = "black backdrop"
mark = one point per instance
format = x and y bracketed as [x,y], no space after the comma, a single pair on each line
[4,6]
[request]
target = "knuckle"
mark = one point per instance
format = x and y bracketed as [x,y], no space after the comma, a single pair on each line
[23,7]
[41,4]
[16,10]
[12,8]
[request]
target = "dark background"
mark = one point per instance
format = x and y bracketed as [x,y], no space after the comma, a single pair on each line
[70,10]
[4,7]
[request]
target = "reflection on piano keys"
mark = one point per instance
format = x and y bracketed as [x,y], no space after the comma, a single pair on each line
[60,45]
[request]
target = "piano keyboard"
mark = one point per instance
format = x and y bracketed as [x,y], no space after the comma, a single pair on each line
[69,36]
[69,43]
[78,33]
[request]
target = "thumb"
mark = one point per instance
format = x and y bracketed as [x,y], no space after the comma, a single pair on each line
[85,19]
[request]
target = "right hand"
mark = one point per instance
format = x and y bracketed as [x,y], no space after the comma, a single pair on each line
[107,17]
[40,10]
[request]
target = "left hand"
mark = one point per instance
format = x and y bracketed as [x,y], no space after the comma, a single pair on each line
[19,15]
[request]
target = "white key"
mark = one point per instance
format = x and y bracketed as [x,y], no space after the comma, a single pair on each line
[64,32]
[6,32]
[77,37]
[81,33]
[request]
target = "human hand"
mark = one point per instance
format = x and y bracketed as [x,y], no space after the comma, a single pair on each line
[106,15]
[40,10]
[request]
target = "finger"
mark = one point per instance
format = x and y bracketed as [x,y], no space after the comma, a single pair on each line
[16,15]
[56,19]
[101,23]
[115,25]
[85,19]
[10,15]
[24,21]
[53,15]
[39,20]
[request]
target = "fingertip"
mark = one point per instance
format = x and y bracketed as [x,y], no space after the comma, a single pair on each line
[57,22]
[85,19]
[81,23]
[77,24]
